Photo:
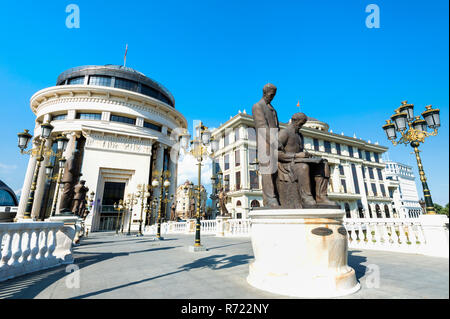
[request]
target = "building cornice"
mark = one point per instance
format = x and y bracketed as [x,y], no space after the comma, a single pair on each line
[85,93]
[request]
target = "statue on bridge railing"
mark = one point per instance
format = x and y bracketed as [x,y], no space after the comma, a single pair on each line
[222,203]
[79,199]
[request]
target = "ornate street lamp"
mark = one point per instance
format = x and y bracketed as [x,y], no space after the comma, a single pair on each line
[161,180]
[143,194]
[39,152]
[413,131]
[118,207]
[129,203]
[203,145]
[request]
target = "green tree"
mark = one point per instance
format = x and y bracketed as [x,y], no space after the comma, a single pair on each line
[441,210]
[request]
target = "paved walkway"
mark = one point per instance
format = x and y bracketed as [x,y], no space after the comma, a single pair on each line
[131,267]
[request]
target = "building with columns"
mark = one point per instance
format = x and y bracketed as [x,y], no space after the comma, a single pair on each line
[405,197]
[185,192]
[124,124]
[358,182]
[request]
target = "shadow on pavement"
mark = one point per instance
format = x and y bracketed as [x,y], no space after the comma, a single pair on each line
[355,262]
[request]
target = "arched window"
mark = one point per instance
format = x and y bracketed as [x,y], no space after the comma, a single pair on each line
[386,211]
[360,209]
[238,203]
[347,210]
[378,211]
[255,203]
[370,212]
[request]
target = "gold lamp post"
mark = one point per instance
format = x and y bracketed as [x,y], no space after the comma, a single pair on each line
[202,145]
[142,194]
[39,152]
[413,130]
[161,180]
[129,203]
[118,207]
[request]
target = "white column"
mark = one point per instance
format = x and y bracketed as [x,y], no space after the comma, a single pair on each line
[245,171]
[26,186]
[173,182]
[159,164]
[40,186]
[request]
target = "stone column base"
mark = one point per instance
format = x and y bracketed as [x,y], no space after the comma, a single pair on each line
[435,230]
[301,253]
[65,237]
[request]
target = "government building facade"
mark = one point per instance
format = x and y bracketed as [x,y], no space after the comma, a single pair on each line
[358,182]
[122,122]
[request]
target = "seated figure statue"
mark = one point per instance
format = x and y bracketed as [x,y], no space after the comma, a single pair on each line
[302,179]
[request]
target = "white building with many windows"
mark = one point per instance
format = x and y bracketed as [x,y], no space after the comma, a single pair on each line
[357,183]
[405,196]
[122,122]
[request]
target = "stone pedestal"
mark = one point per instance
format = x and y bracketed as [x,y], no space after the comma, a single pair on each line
[222,226]
[65,237]
[301,253]
[190,226]
[435,230]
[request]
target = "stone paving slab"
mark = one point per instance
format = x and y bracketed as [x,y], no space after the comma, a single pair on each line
[142,268]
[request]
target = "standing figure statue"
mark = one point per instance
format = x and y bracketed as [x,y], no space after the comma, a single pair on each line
[302,179]
[267,127]
[222,203]
[173,215]
[69,179]
[79,199]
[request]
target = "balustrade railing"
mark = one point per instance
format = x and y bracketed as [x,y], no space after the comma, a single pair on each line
[394,234]
[28,247]
[239,227]
[208,226]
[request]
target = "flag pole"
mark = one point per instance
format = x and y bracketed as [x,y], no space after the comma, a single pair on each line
[125,57]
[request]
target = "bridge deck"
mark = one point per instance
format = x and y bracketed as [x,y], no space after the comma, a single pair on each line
[131,267]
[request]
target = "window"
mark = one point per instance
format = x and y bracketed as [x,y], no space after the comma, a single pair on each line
[378,211]
[371,173]
[149,91]
[359,153]
[255,203]
[254,180]
[367,156]
[123,119]
[383,190]
[344,185]
[355,179]
[226,140]
[238,180]
[341,170]
[380,176]
[347,210]
[316,144]
[327,146]
[113,192]
[360,208]
[374,189]
[227,162]
[363,169]
[6,199]
[227,187]
[338,148]
[377,158]
[236,134]
[237,158]
[252,155]
[59,117]
[350,151]
[100,80]
[152,126]
[126,84]
[89,116]
[77,80]
[365,187]
[251,134]
[386,211]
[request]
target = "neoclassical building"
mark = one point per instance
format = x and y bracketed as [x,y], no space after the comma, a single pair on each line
[405,197]
[185,192]
[358,182]
[123,123]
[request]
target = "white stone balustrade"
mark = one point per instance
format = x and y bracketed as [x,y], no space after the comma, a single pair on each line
[28,247]
[239,228]
[208,226]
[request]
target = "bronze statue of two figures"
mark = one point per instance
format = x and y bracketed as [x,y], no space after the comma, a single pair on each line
[291,177]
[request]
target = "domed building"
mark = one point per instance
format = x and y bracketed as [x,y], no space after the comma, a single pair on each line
[122,124]
[8,203]
[358,182]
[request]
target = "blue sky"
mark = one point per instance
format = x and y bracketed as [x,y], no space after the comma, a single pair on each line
[215,56]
